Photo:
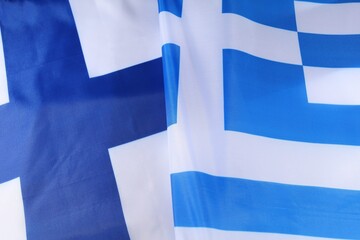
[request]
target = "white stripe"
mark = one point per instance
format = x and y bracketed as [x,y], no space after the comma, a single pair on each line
[198,137]
[266,159]
[116,34]
[235,32]
[260,40]
[319,18]
[169,21]
[4,95]
[142,175]
[12,217]
[200,101]
[214,234]
[333,85]
[198,141]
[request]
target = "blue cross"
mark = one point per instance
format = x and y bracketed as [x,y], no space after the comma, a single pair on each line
[57,128]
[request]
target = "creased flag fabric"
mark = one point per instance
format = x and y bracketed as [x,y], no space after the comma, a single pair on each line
[63,116]
[179,119]
[265,144]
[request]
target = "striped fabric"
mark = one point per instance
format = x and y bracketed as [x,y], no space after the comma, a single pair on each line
[265,143]
[179,119]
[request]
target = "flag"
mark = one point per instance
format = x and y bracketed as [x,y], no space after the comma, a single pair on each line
[264,131]
[179,119]
[65,102]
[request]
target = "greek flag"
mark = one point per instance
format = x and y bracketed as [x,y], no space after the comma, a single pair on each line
[179,119]
[264,131]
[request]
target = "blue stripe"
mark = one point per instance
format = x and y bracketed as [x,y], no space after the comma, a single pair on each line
[269,99]
[202,200]
[279,13]
[173,6]
[171,63]
[330,50]
[329,1]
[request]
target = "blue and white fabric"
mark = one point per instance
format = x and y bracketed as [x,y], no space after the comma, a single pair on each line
[179,119]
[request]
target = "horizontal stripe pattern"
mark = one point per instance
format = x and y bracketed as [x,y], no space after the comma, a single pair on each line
[265,158]
[329,41]
[278,14]
[224,203]
[336,51]
[261,40]
[269,99]
[272,160]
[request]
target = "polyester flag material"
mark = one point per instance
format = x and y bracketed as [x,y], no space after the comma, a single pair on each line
[264,130]
[60,114]
[179,119]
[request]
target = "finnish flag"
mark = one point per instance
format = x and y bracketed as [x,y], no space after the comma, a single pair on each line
[78,79]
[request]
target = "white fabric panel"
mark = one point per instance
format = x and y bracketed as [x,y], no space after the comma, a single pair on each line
[142,175]
[4,95]
[214,234]
[331,18]
[171,29]
[260,40]
[116,34]
[333,85]
[200,116]
[12,217]
[272,160]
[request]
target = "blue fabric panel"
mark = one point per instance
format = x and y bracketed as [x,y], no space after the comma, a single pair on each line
[59,124]
[171,64]
[173,6]
[278,14]
[202,200]
[269,99]
[330,50]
